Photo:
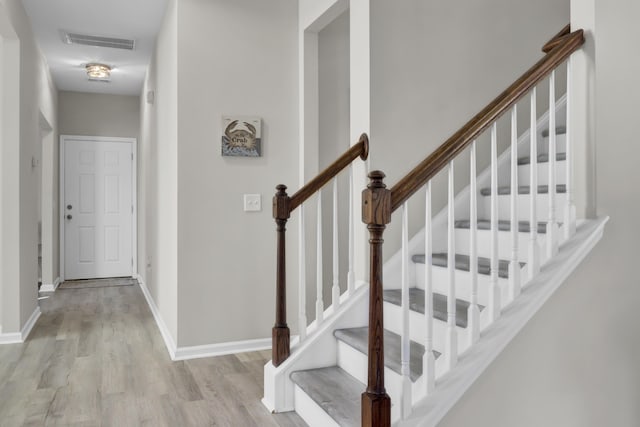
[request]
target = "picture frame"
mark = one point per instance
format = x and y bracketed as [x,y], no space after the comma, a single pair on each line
[241,136]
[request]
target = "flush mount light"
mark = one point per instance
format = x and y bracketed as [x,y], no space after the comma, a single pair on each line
[98,71]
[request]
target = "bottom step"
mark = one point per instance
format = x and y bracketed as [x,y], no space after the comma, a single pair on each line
[333,390]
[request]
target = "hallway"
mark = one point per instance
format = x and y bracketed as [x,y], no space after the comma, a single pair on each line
[96,358]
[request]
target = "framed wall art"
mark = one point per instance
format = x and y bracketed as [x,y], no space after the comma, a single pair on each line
[241,136]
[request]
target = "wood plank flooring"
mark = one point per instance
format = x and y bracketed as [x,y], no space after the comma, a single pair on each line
[96,358]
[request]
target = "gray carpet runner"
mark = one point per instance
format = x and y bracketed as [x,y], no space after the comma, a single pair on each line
[335,391]
[462,263]
[503,225]
[358,338]
[416,303]
[542,158]
[524,189]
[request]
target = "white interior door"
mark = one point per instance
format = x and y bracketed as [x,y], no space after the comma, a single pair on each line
[98,209]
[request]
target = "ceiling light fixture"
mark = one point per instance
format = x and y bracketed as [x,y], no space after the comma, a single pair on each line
[98,71]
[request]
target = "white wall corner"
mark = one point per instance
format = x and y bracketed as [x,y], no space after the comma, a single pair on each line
[50,287]
[583,109]
[169,342]
[20,337]
[31,322]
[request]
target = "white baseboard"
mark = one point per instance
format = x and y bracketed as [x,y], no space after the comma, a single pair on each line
[26,329]
[199,351]
[20,337]
[164,331]
[50,287]
[220,349]
[14,338]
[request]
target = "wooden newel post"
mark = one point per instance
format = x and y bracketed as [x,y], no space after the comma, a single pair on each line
[280,333]
[376,213]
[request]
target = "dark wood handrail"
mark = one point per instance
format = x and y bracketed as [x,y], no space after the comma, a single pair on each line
[557,39]
[360,149]
[283,205]
[437,160]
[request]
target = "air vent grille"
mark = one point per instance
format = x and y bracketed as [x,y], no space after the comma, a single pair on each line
[87,40]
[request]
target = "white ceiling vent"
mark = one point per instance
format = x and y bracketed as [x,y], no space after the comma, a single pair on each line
[87,40]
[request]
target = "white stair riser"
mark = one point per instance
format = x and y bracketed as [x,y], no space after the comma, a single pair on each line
[355,363]
[463,283]
[417,328]
[542,206]
[561,144]
[543,173]
[310,411]
[483,237]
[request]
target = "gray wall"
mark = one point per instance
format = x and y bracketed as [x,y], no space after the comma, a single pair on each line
[94,114]
[434,65]
[157,175]
[333,111]
[226,257]
[576,363]
[19,195]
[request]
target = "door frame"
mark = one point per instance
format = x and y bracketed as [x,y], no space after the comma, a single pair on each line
[134,195]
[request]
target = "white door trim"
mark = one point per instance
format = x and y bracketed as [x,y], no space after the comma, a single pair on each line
[134,194]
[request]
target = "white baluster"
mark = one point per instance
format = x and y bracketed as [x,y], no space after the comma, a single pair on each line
[302,277]
[405,355]
[428,359]
[494,290]
[335,289]
[319,302]
[534,248]
[473,312]
[351,278]
[514,264]
[452,333]
[552,224]
[570,208]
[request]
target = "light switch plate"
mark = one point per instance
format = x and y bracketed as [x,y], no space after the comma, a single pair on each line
[252,203]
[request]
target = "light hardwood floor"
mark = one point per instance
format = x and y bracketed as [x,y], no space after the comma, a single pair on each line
[96,358]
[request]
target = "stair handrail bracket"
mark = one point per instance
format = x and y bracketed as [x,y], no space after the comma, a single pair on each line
[283,206]
[453,146]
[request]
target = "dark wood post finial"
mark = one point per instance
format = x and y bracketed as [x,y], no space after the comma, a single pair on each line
[376,213]
[280,348]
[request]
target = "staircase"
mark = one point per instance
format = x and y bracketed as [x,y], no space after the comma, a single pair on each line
[455,294]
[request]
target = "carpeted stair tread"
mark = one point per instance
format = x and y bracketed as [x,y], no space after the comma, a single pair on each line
[416,303]
[523,189]
[358,338]
[542,158]
[335,391]
[462,263]
[503,225]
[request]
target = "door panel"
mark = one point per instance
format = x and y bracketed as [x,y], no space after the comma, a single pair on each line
[98,213]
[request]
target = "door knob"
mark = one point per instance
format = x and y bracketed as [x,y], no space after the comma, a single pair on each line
[69,217]
[69,207]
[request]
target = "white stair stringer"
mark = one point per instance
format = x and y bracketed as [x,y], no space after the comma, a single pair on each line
[429,411]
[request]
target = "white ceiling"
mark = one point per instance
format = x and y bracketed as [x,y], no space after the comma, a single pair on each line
[126,19]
